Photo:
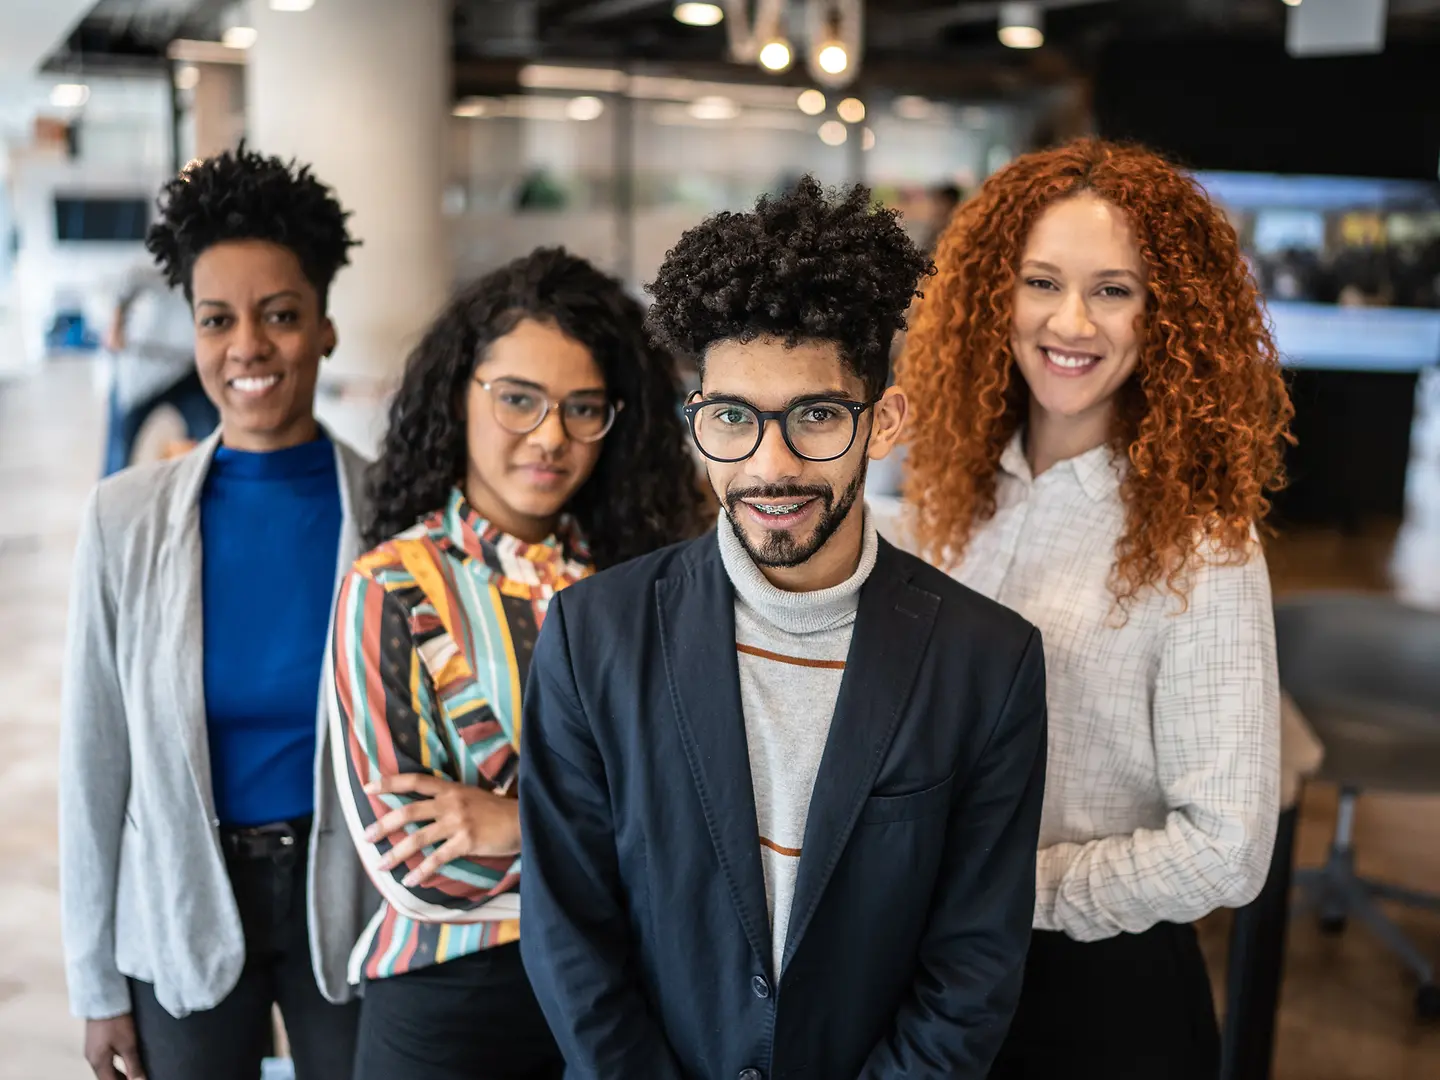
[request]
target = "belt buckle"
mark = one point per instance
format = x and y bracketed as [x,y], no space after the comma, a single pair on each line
[264,841]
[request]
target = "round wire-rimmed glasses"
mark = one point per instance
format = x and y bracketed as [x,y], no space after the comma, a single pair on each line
[521,407]
[815,429]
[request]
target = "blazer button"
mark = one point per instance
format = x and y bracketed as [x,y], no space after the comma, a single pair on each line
[750,1074]
[760,986]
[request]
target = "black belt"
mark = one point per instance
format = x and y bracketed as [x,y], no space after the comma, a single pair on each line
[265,841]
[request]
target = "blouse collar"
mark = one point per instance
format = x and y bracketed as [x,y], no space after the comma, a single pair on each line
[1098,471]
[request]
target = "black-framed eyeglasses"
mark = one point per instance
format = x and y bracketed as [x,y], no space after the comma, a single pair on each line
[815,429]
[521,407]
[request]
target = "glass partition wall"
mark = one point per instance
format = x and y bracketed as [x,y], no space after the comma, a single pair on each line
[616,167]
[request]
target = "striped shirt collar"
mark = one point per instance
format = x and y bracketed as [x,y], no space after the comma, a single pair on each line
[464,527]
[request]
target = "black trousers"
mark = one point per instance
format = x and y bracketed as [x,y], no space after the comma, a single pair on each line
[1132,1007]
[474,1018]
[229,1041]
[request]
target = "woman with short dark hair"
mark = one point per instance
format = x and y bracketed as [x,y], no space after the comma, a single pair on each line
[197,839]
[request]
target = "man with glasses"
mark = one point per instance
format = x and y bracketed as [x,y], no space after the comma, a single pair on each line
[782,784]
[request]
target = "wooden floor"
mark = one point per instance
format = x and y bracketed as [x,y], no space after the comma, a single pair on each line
[1347,1005]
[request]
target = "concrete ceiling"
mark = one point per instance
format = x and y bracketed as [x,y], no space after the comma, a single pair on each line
[30,30]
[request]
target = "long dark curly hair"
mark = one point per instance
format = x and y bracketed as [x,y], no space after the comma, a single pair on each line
[643,493]
[802,266]
[1203,421]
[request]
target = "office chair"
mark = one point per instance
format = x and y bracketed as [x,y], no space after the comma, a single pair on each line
[1365,671]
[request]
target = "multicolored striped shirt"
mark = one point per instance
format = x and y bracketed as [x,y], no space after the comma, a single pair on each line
[433,636]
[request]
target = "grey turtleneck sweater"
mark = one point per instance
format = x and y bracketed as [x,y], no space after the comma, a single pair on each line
[792,648]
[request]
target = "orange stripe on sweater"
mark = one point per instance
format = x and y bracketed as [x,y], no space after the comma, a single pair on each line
[792,852]
[798,661]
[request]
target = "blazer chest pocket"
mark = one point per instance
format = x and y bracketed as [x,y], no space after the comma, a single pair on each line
[882,809]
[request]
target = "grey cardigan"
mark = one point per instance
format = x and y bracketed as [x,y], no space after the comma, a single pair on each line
[143,888]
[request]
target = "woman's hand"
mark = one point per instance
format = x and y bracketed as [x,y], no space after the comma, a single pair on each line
[105,1040]
[464,821]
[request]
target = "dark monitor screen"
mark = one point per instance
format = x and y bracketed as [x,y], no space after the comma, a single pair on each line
[1350,267]
[102,219]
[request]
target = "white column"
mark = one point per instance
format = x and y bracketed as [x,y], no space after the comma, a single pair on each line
[360,89]
[216,118]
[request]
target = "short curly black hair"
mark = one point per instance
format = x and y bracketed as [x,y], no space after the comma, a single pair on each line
[644,492]
[244,195]
[802,266]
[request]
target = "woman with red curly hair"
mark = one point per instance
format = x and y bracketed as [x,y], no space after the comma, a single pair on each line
[1099,414]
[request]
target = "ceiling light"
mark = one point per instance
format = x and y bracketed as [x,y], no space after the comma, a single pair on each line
[851,110]
[868,142]
[699,14]
[239,37]
[69,95]
[832,58]
[291,5]
[776,55]
[470,108]
[714,107]
[833,133]
[1020,26]
[811,102]
[187,77]
[1292,3]
[584,108]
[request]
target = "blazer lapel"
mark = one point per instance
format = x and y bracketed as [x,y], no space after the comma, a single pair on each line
[697,621]
[892,629]
[181,562]
[354,508]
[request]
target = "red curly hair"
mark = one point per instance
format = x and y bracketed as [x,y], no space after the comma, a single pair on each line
[1203,420]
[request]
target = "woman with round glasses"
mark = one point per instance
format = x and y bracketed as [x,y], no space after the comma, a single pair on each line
[533,440]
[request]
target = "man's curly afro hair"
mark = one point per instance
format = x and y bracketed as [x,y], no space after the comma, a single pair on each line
[244,195]
[802,266]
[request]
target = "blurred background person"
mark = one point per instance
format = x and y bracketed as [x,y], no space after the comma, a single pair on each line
[151,340]
[533,440]
[197,827]
[944,201]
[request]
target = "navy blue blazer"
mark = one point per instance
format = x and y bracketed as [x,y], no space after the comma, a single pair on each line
[645,926]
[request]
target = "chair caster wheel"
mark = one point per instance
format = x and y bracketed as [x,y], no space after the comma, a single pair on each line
[1333,925]
[1427,1002]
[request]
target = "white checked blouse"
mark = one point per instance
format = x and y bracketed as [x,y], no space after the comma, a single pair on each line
[1163,776]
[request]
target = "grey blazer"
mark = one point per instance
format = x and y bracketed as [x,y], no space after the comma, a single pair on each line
[143,888]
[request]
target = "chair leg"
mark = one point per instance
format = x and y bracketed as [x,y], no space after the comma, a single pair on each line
[1380,924]
[1400,895]
[1332,902]
[1336,892]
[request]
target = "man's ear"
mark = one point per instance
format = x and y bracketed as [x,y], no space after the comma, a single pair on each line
[890,412]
